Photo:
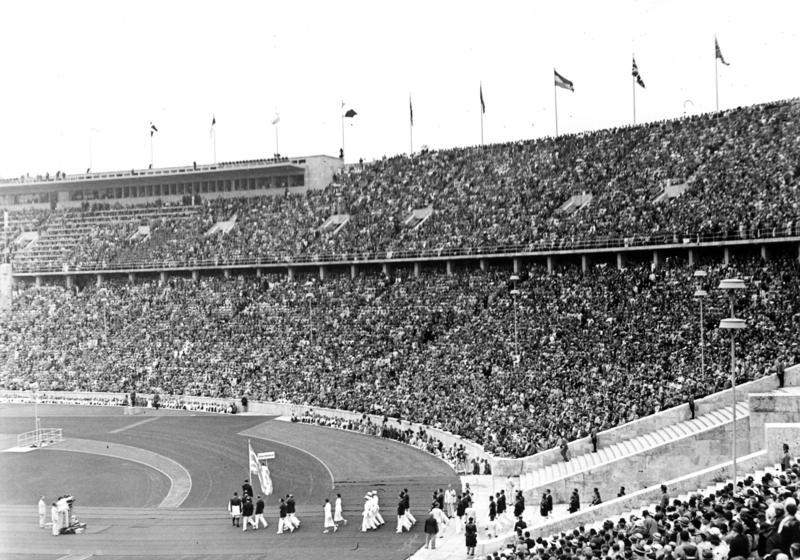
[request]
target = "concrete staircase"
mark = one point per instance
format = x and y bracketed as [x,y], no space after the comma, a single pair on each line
[613,455]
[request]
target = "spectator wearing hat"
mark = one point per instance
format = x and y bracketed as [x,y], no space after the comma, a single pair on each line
[786,460]
[649,525]
[471,537]
[738,542]
[574,501]
[789,526]
[431,529]
[596,501]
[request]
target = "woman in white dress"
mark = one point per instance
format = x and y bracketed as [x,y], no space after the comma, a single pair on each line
[337,511]
[328,518]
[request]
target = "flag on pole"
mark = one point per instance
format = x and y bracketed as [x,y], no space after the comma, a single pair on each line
[277,119]
[262,471]
[153,129]
[635,74]
[350,113]
[562,82]
[213,124]
[410,110]
[483,105]
[718,53]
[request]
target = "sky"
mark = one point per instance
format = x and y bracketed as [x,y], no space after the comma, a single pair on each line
[83,80]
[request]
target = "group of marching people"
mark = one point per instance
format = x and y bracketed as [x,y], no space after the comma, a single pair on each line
[245,512]
[371,517]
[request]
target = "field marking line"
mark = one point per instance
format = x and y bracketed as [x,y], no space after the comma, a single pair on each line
[139,423]
[180,481]
[327,468]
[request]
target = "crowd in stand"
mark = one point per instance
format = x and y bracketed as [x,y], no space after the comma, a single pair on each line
[739,167]
[594,350]
[755,519]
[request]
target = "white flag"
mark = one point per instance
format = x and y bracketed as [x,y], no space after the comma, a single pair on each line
[262,471]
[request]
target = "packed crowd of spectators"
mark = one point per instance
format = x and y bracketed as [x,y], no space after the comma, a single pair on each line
[740,169]
[755,519]
[595,350]
[455,454]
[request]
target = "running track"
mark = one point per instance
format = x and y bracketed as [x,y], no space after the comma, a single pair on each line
[125,472]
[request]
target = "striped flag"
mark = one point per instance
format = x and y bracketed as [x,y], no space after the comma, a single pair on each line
[635,74]
[718,53]
[562,82]
[483,105]
[262,471]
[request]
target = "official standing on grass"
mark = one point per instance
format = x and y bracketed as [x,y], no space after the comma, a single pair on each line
[42,512]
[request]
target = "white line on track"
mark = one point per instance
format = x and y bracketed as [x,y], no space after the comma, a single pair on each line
[327,468]
[139,423]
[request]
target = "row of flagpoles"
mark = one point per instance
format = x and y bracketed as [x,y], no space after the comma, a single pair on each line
[559,81]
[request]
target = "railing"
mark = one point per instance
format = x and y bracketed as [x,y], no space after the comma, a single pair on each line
[40,437]
[543,246]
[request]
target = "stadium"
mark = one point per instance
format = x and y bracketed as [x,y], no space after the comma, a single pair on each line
[546,347]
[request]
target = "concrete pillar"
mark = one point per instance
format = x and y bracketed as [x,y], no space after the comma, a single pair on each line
[69,280]
[726,256]
[38,281]
[691,257]
[322,272]
[417,268]
[385,268]
[482,264]
[99,280]
[550,264]
[656,259]
[620,261]
[516,265]
[290,273]
[131,277]
[449,265]
[353,271]
[226,273]
[196,275]
[764,253]
[162,276]
[584,264]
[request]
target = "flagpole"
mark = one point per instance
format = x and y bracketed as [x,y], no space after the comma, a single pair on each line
[277,149]
[342,132]
[151,149]
[633,83]
[214,139]
[555,103]
[482,111]
[411,124]
[716,75]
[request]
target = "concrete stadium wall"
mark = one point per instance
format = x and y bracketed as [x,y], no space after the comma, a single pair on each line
[668,417]
[651,467]
[691,482]
[766,409]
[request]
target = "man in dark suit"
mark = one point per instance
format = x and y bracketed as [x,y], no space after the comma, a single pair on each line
[431,528]
[247,490]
